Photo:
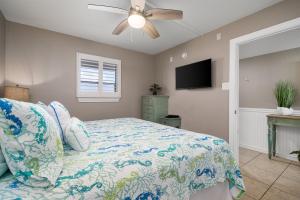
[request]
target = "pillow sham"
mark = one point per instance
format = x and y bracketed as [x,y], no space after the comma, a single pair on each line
[3,165]
[30,143]
[76,135]
[61,116]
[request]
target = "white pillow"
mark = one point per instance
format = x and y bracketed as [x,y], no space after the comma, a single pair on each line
[43,105]
[76,135]
[61,116]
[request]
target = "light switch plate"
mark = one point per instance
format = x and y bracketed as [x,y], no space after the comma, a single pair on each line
[225,86]
[184,55]
[171,59]
[219,36]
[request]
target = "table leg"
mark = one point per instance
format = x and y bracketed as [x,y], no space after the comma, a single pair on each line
[270,140]
[274,139]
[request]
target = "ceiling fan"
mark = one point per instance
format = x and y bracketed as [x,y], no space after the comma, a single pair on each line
[139,18]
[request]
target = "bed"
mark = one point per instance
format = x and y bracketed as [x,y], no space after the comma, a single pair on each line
[134,159]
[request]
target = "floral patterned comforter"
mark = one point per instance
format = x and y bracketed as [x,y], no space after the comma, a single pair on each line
[133,159]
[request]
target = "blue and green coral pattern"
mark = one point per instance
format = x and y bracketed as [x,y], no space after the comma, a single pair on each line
[131,159]
[30,143]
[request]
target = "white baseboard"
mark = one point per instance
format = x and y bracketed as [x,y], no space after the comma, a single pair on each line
[289,157]
[253,148]
[260,150]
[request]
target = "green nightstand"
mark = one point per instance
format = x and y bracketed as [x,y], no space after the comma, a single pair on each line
[174,122]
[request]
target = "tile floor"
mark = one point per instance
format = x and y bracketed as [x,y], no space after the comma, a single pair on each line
[276,179]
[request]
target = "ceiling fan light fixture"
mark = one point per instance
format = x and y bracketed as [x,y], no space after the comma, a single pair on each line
[137,21]
[139,18]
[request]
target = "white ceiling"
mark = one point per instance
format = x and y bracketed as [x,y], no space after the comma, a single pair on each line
[72,17]
[275,43]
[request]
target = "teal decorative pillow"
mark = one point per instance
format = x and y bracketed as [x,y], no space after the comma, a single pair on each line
[30,143]
[61,116]
[76,135]
[3,165]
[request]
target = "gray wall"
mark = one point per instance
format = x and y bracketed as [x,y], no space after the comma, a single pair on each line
[206,110]
[259,75]
[2,52]
[45,61]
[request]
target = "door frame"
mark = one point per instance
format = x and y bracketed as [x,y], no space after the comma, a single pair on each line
[234,74]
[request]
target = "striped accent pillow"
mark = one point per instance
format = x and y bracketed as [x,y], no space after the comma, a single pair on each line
[76,135]
[61,116]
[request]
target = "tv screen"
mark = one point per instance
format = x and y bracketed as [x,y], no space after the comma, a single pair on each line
[195,75]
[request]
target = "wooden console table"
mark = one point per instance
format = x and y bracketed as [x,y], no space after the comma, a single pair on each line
[279,120]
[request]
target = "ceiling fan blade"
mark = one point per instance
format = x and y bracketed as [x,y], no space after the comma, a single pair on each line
[108,9]
[165,14]
[121,27]
[150,29]
[138,4]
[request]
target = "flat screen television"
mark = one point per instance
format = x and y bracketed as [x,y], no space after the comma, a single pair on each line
[195,75]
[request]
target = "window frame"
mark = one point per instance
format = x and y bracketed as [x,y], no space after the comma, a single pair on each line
[98,96]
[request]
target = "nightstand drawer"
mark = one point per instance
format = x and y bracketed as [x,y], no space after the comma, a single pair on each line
[174,122]
[148,113]
[148,117]
[148,106]
[147,101]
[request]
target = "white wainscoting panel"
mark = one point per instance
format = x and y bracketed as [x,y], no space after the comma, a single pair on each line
[253,133]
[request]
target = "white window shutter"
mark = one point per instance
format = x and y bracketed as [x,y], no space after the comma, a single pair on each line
[109,79]
[89,75]
[98,78]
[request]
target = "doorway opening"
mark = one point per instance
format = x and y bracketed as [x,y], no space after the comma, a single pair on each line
[234,79]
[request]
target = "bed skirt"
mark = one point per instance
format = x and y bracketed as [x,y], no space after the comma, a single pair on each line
[218,192]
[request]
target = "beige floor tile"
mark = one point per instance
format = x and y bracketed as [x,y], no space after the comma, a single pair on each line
[289,181]
[292,172]
[276,194]
[246,197]
[259,174]
[247,155]
[297,163]
[263,162]
[263,169]
[254,188]
[241,163]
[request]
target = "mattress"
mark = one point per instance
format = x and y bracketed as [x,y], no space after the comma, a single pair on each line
[134,159]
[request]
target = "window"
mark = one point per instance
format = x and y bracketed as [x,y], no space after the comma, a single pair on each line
[98,79]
